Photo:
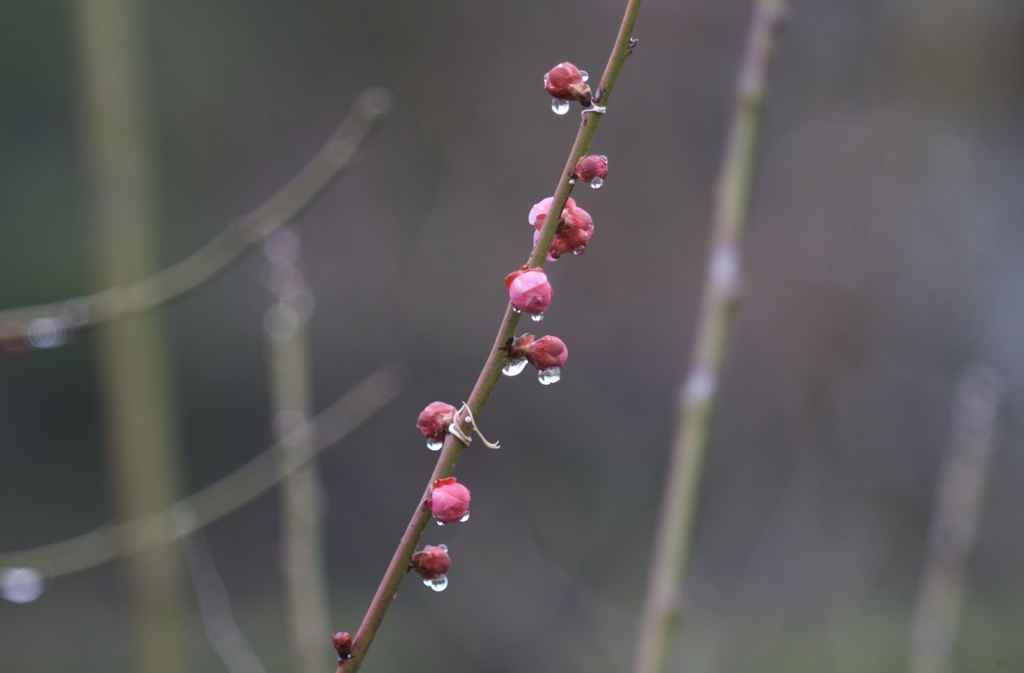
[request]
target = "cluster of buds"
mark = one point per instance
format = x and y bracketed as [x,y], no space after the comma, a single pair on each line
[547,354]
[565,82]
[449,501]
[575,227]
[529,291]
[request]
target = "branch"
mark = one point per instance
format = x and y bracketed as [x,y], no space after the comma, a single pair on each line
[340,152]
[491,371]
[674,536]
[958,499]
[214,502]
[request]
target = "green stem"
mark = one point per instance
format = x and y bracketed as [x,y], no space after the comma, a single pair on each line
[674,535]
[219,499]
[339,152]
[491,371]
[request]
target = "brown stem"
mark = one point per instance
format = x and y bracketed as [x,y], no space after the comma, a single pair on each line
[491,371]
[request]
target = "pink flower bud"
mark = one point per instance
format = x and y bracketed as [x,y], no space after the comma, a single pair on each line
[529,290]
[547,352]
[590,167]
[431,562]
[433,421]
[449,500]
[565,82]
[342,645]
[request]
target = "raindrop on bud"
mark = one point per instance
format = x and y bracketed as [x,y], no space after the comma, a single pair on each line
[434,444]
[559,106]
[438,583]
[549,376]
[596,183]
[514,367]
[465,518]
[538,317]
[583,74]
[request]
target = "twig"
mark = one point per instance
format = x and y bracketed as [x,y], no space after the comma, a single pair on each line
[958,497]
[674,535]
[491,371]
[340,152]
[259,475]
[302,552]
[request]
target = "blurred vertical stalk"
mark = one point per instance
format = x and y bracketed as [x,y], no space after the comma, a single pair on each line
[958,497]
[118,159]
[301,492]
[674,534]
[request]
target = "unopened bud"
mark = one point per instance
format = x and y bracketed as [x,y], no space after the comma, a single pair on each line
[342,645]
[575,227]
[590,167]
[547,352]
[431,562]
[449,500]
[434,420]
[566,82]
[529,290]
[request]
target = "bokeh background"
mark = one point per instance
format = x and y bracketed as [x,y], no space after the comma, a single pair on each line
[884,259]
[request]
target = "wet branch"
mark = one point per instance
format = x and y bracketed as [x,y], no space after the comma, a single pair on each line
[491,371]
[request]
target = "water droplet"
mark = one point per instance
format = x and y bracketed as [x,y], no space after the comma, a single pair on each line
[546,80]
[572,181]
[515,310]
[47,333]
[549,376]
[442,547]
[596,183]
[434,444]
[514,367]
[438,583]
[579,250]
[21,585]
[559,106]
[465,518]
[439,522]
[585,75]
[603,158]
[538,317]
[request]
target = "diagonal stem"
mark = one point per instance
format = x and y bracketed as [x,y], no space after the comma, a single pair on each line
[491,371]
[674,536]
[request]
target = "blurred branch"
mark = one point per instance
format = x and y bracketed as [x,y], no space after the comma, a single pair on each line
[674,535]
[491,372]
[302,499]
[958,497]
[219,624]
[217,500]
[340,152]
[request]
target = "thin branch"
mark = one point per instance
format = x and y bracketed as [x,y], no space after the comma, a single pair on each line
[674,536]
[491,371]
[340,152]
[259,475]
[958,500]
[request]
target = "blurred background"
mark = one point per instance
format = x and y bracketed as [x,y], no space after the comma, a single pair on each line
[883,261]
